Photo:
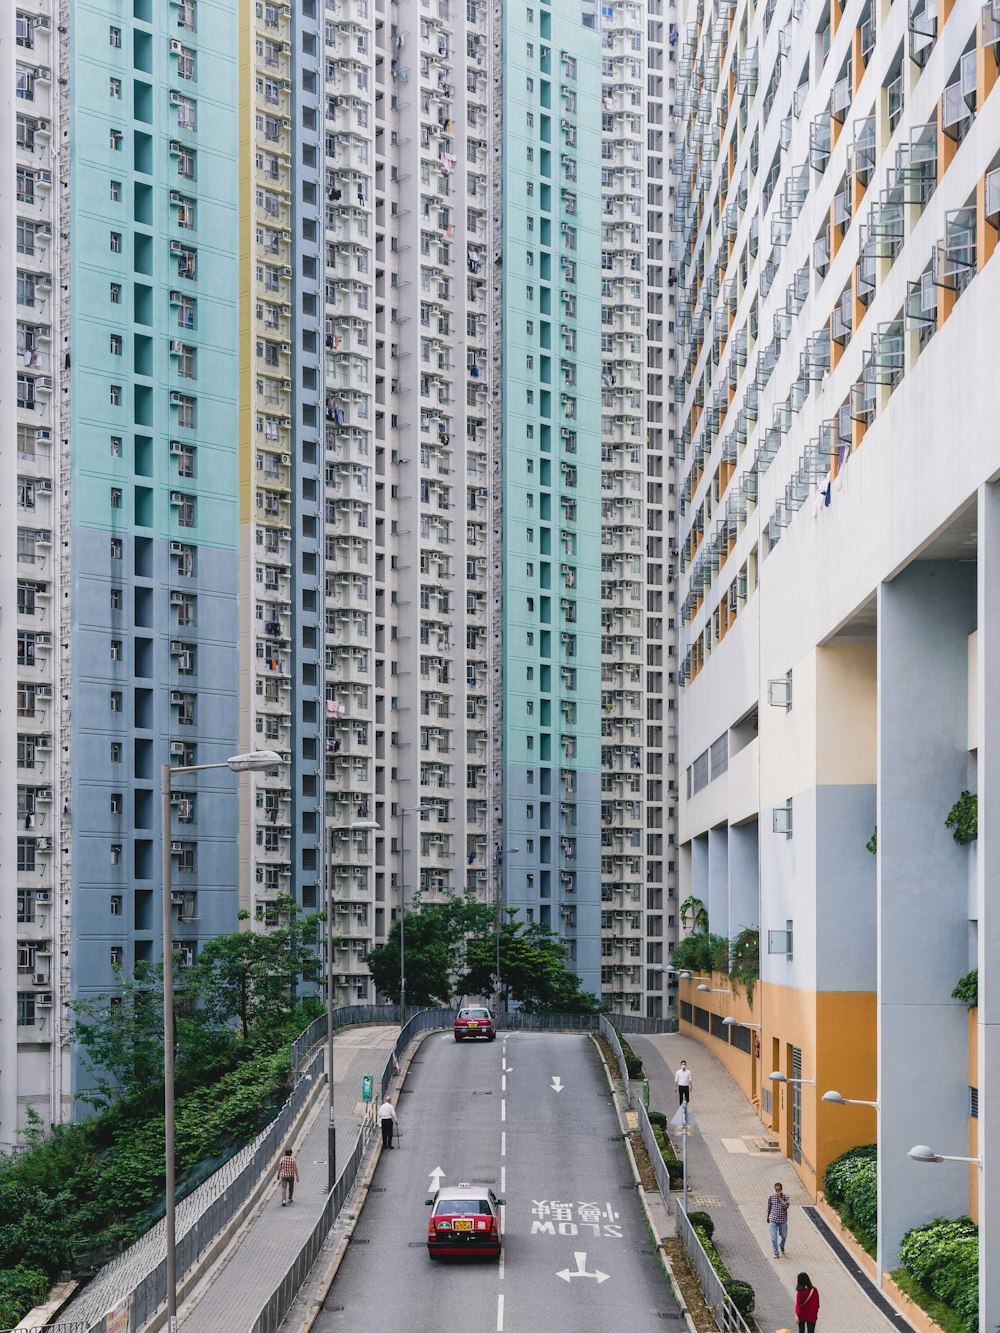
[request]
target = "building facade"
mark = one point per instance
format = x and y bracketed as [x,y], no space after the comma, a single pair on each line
[837,211]
[339,386]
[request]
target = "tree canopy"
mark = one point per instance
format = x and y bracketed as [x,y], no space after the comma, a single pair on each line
[451,951]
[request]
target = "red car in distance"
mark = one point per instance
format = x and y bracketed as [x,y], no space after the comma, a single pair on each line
[464,1221]
[474,1021]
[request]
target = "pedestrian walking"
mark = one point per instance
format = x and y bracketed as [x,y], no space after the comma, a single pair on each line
[288,1174]
[777,1218]
[682,1082]
[806,1304]
[387,1118]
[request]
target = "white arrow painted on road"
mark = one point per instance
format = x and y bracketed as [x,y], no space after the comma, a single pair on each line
[556,1083]
[567,1274]
[435,1184]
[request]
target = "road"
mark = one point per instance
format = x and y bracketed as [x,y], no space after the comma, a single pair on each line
[577,1251]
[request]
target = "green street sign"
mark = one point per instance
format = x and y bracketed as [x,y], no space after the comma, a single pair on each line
[366,1087]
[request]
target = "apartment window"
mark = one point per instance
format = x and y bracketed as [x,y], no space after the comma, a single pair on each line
[26,854]
[24,83]
[186,311]
[25,491]
[116,497]
[116,599]
[115,88]
[116,752]
[26,392]
[25,185]
[115,191]
[115,140]
[115,395]
[185,412]
[26,597]
[186,517]
[115,344]
[25,648]
[187,15]
[185,214]
[185,363]
[185,462]
[26,237]
[116,446]
[115,37]
[115,242]
[25,289]
[116,701]
[117,548]
[116,856]
[186,113]
[186,64]
[25,1009]
[25,133]
[116,904]
[187,260]
[187,164]
[24,31]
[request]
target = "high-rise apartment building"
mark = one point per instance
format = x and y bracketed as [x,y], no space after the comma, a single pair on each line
[339,374]
[838,201]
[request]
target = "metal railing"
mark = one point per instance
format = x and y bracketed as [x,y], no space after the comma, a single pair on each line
[727,1317]
[280,1300]
[611,1037]
[46,1328]
[513,1020]
[653,1149]
[350,1013]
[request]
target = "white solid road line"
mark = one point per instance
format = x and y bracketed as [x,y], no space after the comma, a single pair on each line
[500,1314]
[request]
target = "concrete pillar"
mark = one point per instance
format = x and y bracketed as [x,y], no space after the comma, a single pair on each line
[988,902]
[744,880]
[925,616]
[718,882]
[699,872]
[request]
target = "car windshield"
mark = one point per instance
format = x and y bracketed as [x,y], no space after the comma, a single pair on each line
[461,1206]
[474,1013]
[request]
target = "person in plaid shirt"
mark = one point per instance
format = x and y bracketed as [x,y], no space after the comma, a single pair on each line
[288,1174]
[777,1217]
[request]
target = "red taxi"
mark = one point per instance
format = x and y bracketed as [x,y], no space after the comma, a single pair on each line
[474,1021]
[464,1220]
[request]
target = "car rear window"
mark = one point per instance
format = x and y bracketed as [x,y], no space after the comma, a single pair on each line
[474,1013]
[460,1206]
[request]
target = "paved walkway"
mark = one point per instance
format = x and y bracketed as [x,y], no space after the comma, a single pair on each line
[236,1289]
[731,1182]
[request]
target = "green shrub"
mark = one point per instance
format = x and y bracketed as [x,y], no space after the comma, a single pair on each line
[633,1063]
[714,1257]
[963,818]
[861,1195]
[21,1289]
[967,989]
[700,952]
[741,1294]
[943,1256]
[704,1221]
[838,1173]
[872,844]
[658,1120]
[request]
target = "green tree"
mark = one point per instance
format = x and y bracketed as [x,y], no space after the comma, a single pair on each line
[250,975]
[122,1034]
[432,944]
[695,909]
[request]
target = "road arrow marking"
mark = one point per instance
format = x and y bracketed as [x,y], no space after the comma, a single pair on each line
[557,1083]
[435,1184]
[567,1274]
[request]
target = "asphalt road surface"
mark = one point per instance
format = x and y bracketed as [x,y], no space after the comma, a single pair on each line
[577,1252]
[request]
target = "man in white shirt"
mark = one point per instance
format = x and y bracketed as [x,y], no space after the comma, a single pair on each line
[682,1082]
[387,1118]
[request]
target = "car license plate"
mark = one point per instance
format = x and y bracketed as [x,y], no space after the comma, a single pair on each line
[463,1224]
[473,1023]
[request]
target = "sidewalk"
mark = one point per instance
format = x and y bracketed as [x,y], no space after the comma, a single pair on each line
[235,1290]
[732,1182]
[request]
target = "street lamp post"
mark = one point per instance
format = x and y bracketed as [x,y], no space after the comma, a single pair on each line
[331,1131]
[254,762]
[411,810]
[778,1077]
[714,990]
[836,1098]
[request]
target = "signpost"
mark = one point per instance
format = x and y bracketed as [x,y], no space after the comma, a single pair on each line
[684,1120]
[366,1088]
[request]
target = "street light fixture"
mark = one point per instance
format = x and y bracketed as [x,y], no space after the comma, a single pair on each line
[836,1098]
[411,810]
[778,1077]
[714,990]
[740,1023]
[254,762]
[692,976]
[921,1153]
[358,826]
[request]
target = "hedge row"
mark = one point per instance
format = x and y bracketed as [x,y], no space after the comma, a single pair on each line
[942,1256]
[674,1165]
[739,1292]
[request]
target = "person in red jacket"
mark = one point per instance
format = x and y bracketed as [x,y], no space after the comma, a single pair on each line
[806,1304]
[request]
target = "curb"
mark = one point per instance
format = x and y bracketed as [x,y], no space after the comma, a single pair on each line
[327,1280]
[664,1258]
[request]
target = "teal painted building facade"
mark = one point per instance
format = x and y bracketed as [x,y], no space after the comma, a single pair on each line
[552,473]
[152,346]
